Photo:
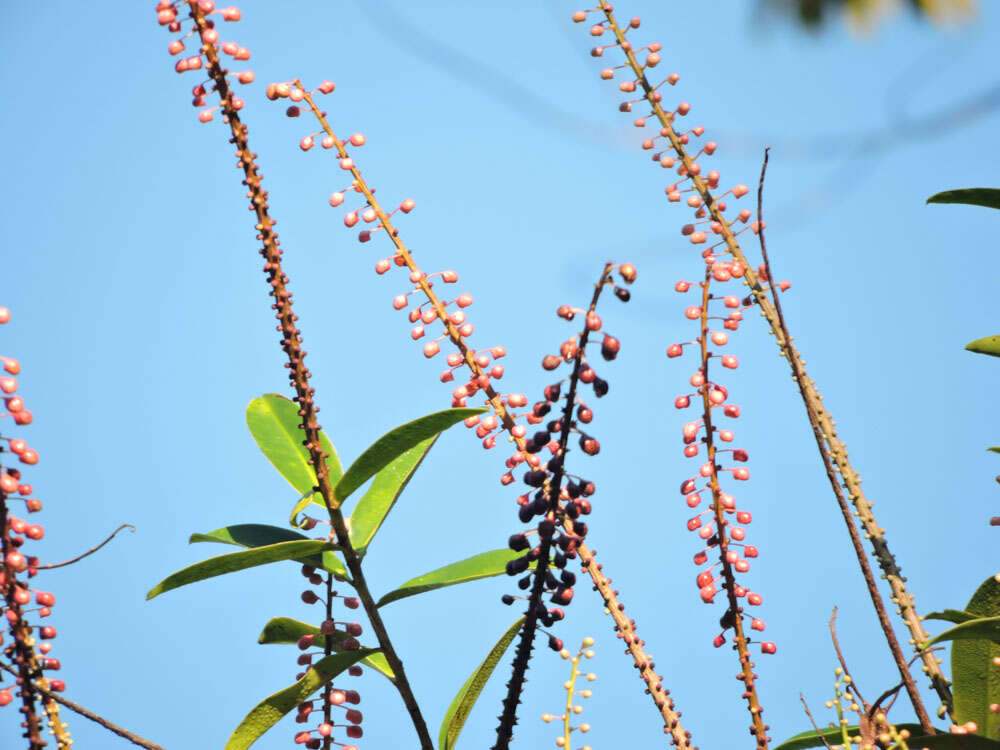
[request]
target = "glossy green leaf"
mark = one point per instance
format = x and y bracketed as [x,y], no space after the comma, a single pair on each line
[944,741]
[989,345]
[251,558]
[259,535]
[483,565]
[287,630]
[393,444]
[951,615]
[372,509]
[274,423]
[812,738]
[979,628]
[458,711]
[269,711]
[975,681]
[986,197]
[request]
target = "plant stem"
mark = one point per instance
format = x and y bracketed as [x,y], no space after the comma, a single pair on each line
[626,627]
[813,401]
[299,374]
[758,729]
[87,713]
[852,529]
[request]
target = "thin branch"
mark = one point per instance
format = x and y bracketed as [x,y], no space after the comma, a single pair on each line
[843,663]
[825,454]
[812,721]
[50,566]
[87,713]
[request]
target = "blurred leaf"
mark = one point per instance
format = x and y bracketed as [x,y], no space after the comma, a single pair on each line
[274,423]
[986,197]
[259,535]
[372,509]
[994,448]
[975,681]
[269,711]
[458,711]
[951,615]
[287,630]
[989,345]
[981,627]
[952,742]
[251,558]
[483,565]
[812,738]
[393,444]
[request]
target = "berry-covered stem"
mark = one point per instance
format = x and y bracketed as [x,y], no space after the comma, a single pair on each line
[838,492]
[47,694]
[602,584]
[327,651]
[299,374]
[505,730]
[811,397]
[746,674]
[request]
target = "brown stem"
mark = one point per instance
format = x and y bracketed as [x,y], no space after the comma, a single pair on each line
[812,721]
[22,650]
[852,530]
[87,713]
[299,374]
[89,552]
[758,728]
[813,401]
[664,704]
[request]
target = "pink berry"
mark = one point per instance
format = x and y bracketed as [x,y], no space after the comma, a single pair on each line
[768,648]
[8,385]
[307,143]
[431,348]
[358,139]
[754,599]
[741,474]
[382,266]
[730,361]
[579,16]
[464,300]
[327,87]
[350,218]
[336,199]
[682,286]
[347,163]
[328,142]
[682,402]
[11,365]
[407,206]
[693,312]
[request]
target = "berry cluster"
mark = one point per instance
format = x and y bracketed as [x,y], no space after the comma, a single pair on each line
[559,506]
[29,656]
[203,27]
[584,652]
[333,636]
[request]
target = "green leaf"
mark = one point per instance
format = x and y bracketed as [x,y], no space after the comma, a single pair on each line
[994,448]
[274,423]
[975,681]
[986,197]
[977,629]
[458,711]
[393,444]
[951,615]
[372,509]
[810,738]
[989,345]
[952,742]
[269,711]
[259,535]
[483,565]
[251,558]
[287,630]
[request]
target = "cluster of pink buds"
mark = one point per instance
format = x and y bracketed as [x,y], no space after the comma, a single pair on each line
[22,603]
[703,439]
[425,309]
[335,706]
[559,505]
[202,24]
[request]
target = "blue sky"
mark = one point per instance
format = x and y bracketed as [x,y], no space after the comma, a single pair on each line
[142,325]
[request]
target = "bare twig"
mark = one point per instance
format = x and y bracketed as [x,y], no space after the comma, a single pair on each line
[812,721]
[825,454]
[50,566]
[87,713]
[843,663]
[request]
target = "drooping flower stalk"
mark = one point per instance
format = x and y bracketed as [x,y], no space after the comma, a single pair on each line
[28,655]
[291,339]
[478,362]
[711,209]
[719,533]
